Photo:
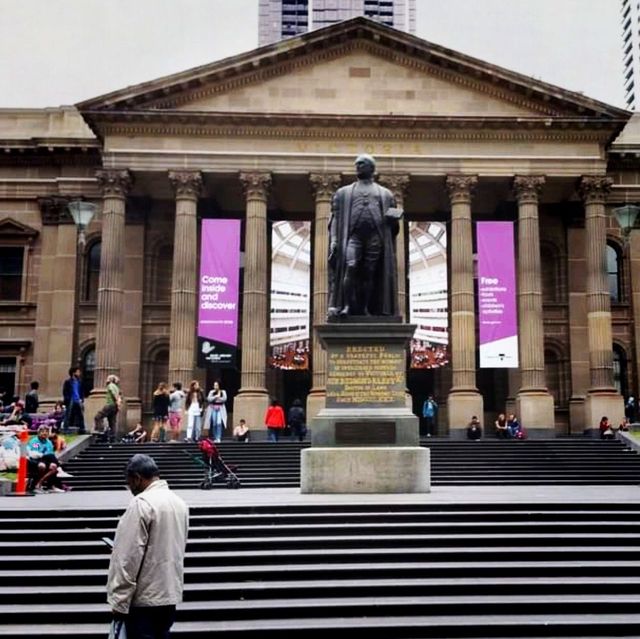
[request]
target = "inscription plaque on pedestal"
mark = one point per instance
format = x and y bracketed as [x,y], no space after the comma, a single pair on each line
[370,433]
[371,376]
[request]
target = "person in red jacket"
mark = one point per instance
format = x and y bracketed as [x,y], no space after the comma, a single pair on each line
[274,420]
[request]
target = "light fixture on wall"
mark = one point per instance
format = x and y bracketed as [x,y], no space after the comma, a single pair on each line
[82,213]
[626,216]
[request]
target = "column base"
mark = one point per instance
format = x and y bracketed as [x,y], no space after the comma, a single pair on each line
[600,404]
[251,406]
[461,407]
[536,412]
[316,401]
[374,469]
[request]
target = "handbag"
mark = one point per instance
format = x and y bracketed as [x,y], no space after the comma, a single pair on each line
[117,629]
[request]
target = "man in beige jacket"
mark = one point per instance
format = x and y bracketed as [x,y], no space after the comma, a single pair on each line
[146,573]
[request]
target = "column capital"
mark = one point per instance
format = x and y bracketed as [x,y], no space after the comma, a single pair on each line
[594,188]
[186,184]
[324,185]
[114,182]
[461,188]
[256,185]
[527,188]
[397,183]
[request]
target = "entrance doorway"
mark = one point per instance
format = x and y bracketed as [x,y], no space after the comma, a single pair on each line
[7,379]
[229,379]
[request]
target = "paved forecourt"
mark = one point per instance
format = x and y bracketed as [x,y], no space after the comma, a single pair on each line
[292,496]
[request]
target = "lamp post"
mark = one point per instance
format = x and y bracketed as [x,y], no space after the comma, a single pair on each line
[626,216]
[82,213]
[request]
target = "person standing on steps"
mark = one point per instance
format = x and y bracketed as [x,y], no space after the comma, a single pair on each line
[274,421]
[216,419]
[430,413]
[73,397]
[110,409]
[194,404]
[176,408]
[146,571]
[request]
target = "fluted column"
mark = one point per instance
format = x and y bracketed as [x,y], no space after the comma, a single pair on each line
[463,341]
[534,403]
[398,184]
[252,399]
[184,279]
[602,396]
[115,185]
[527,190]
[594,192]
[464,399]
[324,186]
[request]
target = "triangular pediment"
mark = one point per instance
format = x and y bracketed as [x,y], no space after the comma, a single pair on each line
[14,229]
[361,82]
[353,68]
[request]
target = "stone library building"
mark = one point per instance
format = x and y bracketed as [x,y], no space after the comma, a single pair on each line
[263,140]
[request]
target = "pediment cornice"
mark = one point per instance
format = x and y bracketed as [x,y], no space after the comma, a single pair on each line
[324,44]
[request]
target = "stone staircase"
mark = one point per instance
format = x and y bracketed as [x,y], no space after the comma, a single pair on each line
[390,570]
[487,462]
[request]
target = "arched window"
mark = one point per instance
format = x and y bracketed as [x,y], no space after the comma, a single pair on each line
[555,368]
[549,268]
[88,367]
[162,272]
[620,370]
[92,272]
[614,272]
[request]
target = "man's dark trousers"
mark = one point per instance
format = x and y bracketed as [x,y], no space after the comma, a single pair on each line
[153,622]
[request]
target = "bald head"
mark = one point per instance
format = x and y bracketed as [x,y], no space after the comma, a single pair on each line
[365,166]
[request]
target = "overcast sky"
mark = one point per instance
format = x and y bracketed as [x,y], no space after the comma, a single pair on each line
[55,52]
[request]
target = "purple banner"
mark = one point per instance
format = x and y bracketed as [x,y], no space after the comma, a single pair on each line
[498,315]
[218,293]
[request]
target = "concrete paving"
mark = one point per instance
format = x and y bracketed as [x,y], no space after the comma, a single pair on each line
[292,496]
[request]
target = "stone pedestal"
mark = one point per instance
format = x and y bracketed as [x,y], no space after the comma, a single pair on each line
[535,412]
[367,469]
[365,439]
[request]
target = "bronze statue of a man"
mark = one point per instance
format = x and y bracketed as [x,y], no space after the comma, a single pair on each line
[363,226]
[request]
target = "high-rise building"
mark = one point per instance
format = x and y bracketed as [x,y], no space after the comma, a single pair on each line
[631,50]
[280,19]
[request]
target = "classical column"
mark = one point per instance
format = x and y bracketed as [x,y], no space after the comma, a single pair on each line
[115,185]
[324,185]
[534,404]
[252,399]
[184,278]
[398,184]
[602,398]
[464,400]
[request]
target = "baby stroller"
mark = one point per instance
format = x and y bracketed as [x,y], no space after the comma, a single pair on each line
[215,468]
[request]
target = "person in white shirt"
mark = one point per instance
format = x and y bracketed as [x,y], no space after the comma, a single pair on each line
[176,406]
[194,404]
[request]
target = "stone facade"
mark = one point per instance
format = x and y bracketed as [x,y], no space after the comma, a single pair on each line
[268,135]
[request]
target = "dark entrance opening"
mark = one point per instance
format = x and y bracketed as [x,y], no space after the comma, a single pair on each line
[7,379]
[229,379]
[421,382]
